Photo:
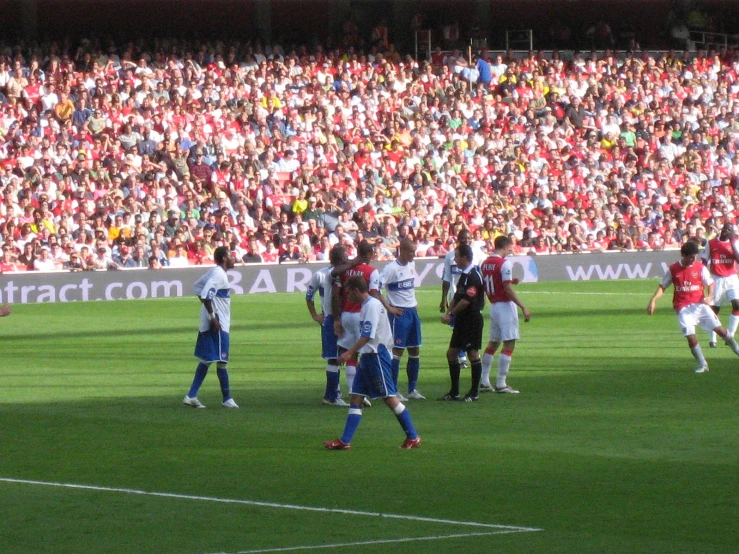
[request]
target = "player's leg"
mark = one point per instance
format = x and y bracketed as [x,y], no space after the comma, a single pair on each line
[462,356]
[222,371]
[330,353]
[452,358]
[504,365]
[383,387]
[413,344]
[712,342]
[710,322]
[734,317]
[191,398]
[361,386]
[688,318]
[207,349]
[487,364]
[473,345]
[395,369]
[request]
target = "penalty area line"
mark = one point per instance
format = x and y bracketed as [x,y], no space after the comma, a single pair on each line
[273,505]
[383,541]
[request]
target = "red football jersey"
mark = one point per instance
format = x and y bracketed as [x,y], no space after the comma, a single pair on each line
[721,259]
[371,277]
[496,271]
[688,282]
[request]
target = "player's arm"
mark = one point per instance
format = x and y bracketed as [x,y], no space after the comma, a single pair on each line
[309,295]
[349,354]
[508,286]
[340,269]
[457,306]
[208,303]
[664,283]
[709,286]
[444,295]
[336,308]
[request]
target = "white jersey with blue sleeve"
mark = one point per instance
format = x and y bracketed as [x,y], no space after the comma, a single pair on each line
[374,324]
[321,283]
[214,286]
[400,282]
[452,271]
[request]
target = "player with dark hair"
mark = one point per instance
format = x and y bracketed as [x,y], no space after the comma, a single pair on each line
[322,283]
[214,291]
[465,308]
[374,373]
[722,254]
[497,276]
[689,277]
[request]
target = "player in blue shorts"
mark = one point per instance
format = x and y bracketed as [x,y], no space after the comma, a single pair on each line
[374,373]
[214,291]
[322,283]
[399,279]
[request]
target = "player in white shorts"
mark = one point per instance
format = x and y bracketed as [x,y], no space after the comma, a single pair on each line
[721,254]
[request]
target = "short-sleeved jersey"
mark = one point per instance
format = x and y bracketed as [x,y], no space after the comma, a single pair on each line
[400,282]
[374,324]
[688,282]
[721,256]
[496,272]
[321,283]
[214,286]
[452,271]
[371,277]
[470,287]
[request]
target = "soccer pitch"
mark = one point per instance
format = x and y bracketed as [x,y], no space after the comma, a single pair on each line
[613,445]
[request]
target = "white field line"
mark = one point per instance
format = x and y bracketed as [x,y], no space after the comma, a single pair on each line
[511,528]
[379,541]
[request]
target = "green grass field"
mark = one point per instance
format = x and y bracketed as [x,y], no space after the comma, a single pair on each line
[613,445]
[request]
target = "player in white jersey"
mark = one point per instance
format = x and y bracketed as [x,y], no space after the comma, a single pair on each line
[322,283]
[451,277]
[214,291]
[374,373]
[399,280]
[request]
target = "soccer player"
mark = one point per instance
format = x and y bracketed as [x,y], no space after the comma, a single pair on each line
[399,278]
[465,308]
[346,312]
[322,283]
[451,275]
[497,276]
[374,374]
[214,291]
[689,277]
[722,254]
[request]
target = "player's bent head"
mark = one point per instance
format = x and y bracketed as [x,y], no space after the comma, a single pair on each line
[408,245]
[503,241]
[337,256]
[690,248]
[366,249]
[465,251]
[356,283]
[220,254]
[464,236]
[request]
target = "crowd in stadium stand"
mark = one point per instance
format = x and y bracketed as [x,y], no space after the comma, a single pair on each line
[150,155]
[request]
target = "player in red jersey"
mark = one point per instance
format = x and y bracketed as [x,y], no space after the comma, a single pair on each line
[689,277]
[345,312]
[497,276]
[722,254]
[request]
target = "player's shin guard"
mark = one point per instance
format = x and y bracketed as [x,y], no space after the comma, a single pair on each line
[698,355]
[487,365]
[395,369]
[733,323]
[200,372]
[223,380]
[454,369]
[352,422]
[504,364]
[731,343]
[350,370]
[404,418]
[411,369]
[476,369]
[332,382]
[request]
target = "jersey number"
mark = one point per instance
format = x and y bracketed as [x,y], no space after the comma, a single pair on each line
[489,285]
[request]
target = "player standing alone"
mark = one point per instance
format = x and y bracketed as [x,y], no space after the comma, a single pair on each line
[497,276]
[689,276]
[722,254]
[214,291]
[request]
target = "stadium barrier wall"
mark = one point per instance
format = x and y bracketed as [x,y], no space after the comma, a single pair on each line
[135,284]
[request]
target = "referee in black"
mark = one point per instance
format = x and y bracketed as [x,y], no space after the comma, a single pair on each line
[465,309]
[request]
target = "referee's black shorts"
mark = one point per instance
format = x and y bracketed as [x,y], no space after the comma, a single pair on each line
[467,333]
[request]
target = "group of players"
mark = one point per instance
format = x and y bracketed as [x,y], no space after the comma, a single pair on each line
[369,332]
[356,319]
[712,266]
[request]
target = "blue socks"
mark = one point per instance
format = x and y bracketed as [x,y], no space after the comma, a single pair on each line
[395,370]
[332,385]
[404,418]
[200,373]
[352,422]
[414,365]
[223,380]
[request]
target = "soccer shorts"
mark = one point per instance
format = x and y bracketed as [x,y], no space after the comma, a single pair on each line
[212,346]
[467,333]
[374,375]
[697,314]
[406,328]
[725,290]
[503,321]
[350,323]
[328,339]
